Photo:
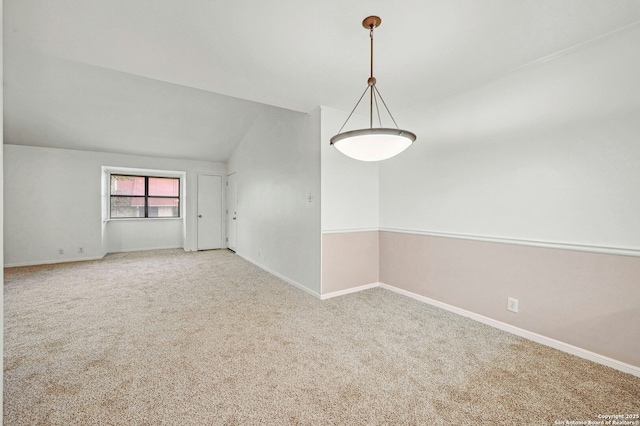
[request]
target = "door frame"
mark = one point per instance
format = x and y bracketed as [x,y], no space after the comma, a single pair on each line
[229,215]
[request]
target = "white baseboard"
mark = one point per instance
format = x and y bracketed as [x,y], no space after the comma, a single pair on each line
[326,296]
[52,261]
[538,338]
[81,259]
[282,277]
[146,249]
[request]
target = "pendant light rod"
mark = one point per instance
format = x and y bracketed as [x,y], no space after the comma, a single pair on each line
[371,22]
[371,86]
[371,54]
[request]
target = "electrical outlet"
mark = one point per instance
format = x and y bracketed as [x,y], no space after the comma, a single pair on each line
[80,249]
[512,304]
[60,251]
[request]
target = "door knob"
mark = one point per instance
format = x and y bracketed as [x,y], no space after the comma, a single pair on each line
[199,215]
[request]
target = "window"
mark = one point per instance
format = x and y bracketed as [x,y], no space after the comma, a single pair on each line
[144,196]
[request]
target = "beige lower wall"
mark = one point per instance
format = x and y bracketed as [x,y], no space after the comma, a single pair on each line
[349,259]
[585,299]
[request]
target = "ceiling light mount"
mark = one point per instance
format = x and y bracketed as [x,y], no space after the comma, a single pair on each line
[372,144]
[371,22]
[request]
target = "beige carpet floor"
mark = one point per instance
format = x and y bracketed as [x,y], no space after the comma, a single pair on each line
[173,338]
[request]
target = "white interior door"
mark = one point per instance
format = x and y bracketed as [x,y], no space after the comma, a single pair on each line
[232,216]
[209,212]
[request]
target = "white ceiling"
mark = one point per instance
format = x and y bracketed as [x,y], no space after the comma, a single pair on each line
[168,78]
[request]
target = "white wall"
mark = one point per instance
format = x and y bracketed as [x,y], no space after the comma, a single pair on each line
[1,197]
[277,168]
[349,187]
[54,201]
[547,153]
[134,235]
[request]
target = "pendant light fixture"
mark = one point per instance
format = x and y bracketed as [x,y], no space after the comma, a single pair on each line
[373,143]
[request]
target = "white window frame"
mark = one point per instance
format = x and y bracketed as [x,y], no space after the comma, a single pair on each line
[107,171]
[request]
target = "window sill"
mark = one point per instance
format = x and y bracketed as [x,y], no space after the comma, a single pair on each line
[140,219]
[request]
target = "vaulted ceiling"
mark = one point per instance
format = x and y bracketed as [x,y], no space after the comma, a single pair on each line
[186,79]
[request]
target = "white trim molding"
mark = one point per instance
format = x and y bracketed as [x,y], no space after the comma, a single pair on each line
[621,251]
[348,231]
[129,250]
[326,296]
[52,262]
